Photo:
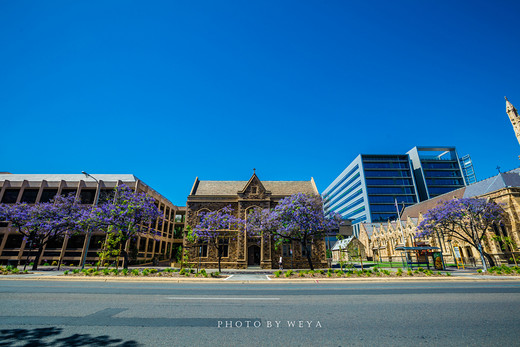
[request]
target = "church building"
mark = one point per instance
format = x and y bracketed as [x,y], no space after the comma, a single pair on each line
[245,251]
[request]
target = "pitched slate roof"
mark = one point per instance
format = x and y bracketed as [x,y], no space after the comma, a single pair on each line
[500,181]
[282,188]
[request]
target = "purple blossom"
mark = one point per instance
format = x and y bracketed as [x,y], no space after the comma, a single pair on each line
[298,217]
[124,215]
[216,225]
[464,219]
[43,222]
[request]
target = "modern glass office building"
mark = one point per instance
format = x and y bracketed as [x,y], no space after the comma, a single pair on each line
[368,189]
[437,170]
[467,169]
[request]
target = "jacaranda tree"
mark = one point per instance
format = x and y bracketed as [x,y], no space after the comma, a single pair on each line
[216,226]
[462,219]
[44,222]
[298,217]
[124,214]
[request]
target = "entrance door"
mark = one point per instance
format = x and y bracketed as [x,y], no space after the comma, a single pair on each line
[253,255]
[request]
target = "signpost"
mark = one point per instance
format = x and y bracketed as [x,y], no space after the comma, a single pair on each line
[458,257]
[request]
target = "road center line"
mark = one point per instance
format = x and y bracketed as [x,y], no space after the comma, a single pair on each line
[206,298]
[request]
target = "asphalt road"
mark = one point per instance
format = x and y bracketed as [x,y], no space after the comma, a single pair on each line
[62,313]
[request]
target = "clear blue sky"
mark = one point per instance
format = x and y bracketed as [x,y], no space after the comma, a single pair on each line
[171,90]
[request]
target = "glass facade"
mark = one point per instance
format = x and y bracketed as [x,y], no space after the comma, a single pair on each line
[368,189]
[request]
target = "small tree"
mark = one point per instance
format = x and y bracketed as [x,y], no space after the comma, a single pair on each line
[463,219]
[299,218]
[47,221]
[124,215]
[217,225]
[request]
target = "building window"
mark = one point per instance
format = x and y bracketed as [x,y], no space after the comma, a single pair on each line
[13,241]
[223,246]
[87,196]
[68,191]
[48,195]
[307,250]
[286,250]
[29,196]
[10,196]
[203,249]
[254,190]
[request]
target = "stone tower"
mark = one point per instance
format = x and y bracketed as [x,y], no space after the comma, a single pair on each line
[515,119]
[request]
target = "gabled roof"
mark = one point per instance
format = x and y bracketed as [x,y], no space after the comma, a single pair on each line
[231,188]
[492,184]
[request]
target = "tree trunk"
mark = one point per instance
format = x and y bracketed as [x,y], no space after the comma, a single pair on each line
[37,258]
[219,257]
[125,258]
[308,252]
[489,258]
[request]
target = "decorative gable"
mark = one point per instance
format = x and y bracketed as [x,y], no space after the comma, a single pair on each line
[254,189]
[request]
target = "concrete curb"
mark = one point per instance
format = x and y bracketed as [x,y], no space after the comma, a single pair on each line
[273,280]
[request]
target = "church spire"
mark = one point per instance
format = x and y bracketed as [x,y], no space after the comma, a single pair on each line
[514,118]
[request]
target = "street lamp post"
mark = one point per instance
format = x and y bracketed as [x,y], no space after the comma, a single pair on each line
[89,233]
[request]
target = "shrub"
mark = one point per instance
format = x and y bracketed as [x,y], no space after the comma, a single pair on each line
[91,270]
[329,274]
[26,271]
[289,273]
[277,273]
[399,272]
[54,263]
[448,273]
[386,272]
[420,269]
[153,271]
[114,272]
[96,273]
[135,272]
[15,270]
[106,272]
[75,271]
[301,273]
[409,272]
[479,271]
[182,272]
[321,272]
[215,274]
[146,272]
[46,264]
[203,273]
[124,272]
[8,268]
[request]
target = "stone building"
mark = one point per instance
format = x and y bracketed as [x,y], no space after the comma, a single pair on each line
[34,188]
[381,239]
[245,251]
[514,118]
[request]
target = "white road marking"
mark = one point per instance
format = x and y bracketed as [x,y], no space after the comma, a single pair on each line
[206,298]
[268,277]
[225,279]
